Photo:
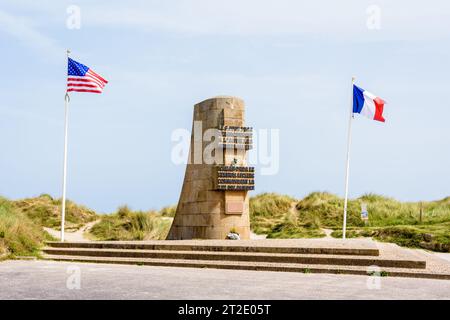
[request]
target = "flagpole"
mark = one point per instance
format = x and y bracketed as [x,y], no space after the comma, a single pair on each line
[66,124]
[347,170]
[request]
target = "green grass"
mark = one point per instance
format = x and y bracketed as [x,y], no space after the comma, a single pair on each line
[126,224]
[278,216]
[383,211]
[268,210]
[326,210]
[22,222]
[275,215]
[399,222]
[389,220]
[46,211]
[286,231]
[429,236]
[19,235]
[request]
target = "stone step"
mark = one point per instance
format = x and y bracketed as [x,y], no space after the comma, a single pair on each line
[256,266]
[310,259]
[245,246]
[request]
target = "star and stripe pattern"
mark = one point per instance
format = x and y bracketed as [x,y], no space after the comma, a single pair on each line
[81,78]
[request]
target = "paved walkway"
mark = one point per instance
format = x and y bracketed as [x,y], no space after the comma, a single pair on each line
[59,280]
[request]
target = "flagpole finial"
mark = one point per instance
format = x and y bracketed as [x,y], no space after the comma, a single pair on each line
[353,78]
[68,52]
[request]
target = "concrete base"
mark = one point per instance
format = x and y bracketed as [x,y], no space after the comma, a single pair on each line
[317,256]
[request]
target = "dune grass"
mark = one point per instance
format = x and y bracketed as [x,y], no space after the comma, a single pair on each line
[168,211]
[46,211]
[435,237]
[383,211]
[268,210]
[22,222]
[19,235]
[126,224]
[389,220]
[274,215]
[277,216]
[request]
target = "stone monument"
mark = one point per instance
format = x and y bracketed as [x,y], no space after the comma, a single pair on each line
[214,198]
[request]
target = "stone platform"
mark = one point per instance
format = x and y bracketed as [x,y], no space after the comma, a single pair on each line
[352,256]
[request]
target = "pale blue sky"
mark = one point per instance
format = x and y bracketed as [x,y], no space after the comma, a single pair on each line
[291,61]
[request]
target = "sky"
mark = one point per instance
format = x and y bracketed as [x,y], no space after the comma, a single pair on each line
[291,61]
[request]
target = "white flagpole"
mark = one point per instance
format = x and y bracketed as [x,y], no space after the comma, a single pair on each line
[347,170]
[66,124]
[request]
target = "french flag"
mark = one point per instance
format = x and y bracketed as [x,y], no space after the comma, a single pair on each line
[367,104]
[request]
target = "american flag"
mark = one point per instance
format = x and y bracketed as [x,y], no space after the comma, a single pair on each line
[81,78]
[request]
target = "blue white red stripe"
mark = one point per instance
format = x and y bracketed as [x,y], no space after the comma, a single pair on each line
[367,104]
[81,78]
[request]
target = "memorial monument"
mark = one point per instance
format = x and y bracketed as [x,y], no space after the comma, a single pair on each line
[214,198]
